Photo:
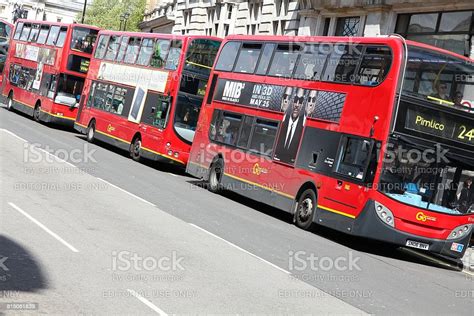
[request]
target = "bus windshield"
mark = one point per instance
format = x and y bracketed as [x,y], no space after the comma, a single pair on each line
[439,78]
[200,55]
[83,39]
[428,178]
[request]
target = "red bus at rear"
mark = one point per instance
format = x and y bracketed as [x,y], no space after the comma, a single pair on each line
[46,68]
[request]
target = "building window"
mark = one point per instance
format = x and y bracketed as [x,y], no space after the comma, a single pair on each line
[347,26]
[187,17]
[229,11]
[449,30]
[327,22]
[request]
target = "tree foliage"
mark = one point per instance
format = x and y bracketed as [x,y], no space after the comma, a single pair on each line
[106,13]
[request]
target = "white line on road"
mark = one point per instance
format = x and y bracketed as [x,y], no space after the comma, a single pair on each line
[172,174]
[147,303]
[13,134]
[241,249]
[125,191]
[46,229]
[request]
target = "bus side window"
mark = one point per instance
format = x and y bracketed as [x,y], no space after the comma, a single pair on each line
[101,46]
[284,60]
[263,136]
[265,58]
[227,56]
[248,57]
[18,30]
[155,111]
[342,63]
[354,157]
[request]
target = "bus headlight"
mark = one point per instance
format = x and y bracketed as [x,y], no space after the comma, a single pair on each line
[460,231]
[384,214]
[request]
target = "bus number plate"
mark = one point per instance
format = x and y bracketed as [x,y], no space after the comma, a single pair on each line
[418,245]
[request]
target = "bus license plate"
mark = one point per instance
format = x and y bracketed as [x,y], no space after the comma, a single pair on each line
[418,245]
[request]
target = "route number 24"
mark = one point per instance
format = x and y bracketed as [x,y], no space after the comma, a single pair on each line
[464,133]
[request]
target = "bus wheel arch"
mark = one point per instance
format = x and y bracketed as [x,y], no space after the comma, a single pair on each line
[305,206]
[37,111]
[90,133]
[216,171]
[135,147]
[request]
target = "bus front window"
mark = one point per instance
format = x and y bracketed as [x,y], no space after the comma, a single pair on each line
[69,90]
[426,179]
[189,101]
[83,39]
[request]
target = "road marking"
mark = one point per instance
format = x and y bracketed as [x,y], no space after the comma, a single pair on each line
[239,248]
[46,229]
[172,174]
[14,135]
[125,191]
[147,303]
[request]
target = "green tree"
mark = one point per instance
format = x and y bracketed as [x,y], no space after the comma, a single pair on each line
[106,13]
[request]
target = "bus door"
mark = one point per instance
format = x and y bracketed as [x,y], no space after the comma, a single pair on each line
[154,119]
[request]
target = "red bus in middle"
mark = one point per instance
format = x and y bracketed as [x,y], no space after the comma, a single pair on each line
[144,92]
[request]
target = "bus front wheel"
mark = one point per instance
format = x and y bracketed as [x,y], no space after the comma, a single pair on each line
[215,176]
[91,132]
[305,209]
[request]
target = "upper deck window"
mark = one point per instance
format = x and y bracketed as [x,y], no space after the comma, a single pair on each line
[284,60]
[374,66]
[265,58]
[83,39]
[61,37]
[145,52]
[439,78]
[33,33]
[160,52]
[132,50]
[342,63]
[227,56]
[123,48]
[172,60]
[53,35]
[43,34]
[25,32]
[248,58]
[18,30]
[113,47]
[311,63]
[101,46]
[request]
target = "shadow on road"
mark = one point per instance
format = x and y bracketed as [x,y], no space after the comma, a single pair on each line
[356,243]
[19,270]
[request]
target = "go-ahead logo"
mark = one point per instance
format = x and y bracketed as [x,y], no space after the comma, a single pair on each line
[423,218]
[257,170]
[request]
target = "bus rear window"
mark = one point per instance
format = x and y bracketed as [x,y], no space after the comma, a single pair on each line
[227,56]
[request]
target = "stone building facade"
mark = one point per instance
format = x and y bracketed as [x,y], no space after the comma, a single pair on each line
[444,23]
[47,10]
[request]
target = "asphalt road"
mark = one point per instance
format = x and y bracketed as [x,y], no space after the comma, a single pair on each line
[101,233]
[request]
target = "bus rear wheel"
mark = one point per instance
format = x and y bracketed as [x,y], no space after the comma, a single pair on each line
[215,176]
[135,148]
[90,135]
[37,112]
[305,209]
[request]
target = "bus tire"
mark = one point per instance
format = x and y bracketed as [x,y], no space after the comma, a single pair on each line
[135,148]
[305,209]
[90,134]
[37,112]
[215,176]
[10,101]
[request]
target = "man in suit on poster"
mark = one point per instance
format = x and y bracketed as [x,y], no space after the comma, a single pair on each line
[291,130]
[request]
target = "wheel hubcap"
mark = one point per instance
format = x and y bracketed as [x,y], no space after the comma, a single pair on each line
[136,148]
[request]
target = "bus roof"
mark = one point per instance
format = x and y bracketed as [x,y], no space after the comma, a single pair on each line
[59,24]
[7,23]
[160,35]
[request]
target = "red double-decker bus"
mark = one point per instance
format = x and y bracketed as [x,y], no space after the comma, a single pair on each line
[5,32]
[369,136]
[144,92]
[46,68]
